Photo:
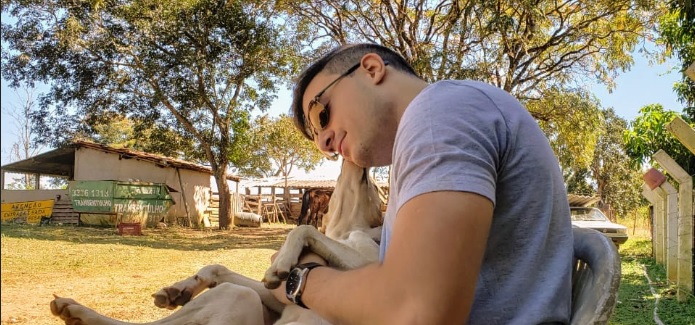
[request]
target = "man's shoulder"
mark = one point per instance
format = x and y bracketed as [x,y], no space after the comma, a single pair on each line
[468,85]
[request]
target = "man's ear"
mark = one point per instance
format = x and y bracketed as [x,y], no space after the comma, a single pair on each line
[375,67]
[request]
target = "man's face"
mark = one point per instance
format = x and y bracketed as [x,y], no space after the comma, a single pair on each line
[347,117]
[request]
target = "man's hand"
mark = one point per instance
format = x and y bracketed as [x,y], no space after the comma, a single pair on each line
[280,292]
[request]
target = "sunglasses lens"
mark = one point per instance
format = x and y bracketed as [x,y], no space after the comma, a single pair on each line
[318,116]
[323,118]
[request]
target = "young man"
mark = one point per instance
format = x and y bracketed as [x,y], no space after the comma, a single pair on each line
[477,229]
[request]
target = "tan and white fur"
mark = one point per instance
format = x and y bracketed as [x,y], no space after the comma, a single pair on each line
[352,229]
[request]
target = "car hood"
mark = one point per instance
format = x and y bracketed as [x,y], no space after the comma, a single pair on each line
[598,224]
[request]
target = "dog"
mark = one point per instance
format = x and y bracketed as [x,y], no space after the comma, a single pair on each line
[349,240]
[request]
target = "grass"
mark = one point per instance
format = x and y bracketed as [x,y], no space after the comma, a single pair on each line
[635,300]
[116,275]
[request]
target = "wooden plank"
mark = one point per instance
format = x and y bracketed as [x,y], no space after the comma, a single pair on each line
[691,71]
[683,132]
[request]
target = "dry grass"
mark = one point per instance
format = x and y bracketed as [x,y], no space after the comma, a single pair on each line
[115,275]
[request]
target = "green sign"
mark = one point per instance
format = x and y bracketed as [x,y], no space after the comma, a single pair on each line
[128,198]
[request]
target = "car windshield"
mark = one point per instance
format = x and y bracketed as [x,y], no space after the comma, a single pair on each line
[587,214]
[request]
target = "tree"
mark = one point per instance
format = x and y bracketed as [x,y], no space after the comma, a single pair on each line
[528,48]
[617,184]
[571,121]
[278,148]
[607,176]
[677,31]
[25,146]
[196,67]
[648,134]
[117,130]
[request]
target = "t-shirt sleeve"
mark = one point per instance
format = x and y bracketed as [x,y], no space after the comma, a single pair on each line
[453,139]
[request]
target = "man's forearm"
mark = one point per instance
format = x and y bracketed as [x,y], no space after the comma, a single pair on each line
[346,297]
[367,296]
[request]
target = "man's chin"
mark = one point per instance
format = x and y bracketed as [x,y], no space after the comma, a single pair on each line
[368,163]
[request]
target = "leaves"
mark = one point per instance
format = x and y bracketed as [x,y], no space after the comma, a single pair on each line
[277,148]
[188,70]
[648,134]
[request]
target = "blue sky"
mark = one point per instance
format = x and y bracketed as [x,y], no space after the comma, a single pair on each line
[644,84]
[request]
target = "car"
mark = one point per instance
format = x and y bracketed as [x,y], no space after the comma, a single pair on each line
[593,218]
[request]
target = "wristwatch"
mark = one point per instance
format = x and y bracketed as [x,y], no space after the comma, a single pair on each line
[296,281]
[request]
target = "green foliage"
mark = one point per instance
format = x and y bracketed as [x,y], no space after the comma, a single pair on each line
[524,47]
[677,31]
[195,67]
[529,48]
[277,147]
[648,134]
[22,182]
[571,120]
[577,181]
[618,184]
[606,174]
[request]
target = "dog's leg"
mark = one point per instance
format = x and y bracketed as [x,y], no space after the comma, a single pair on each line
[211,276]
[337,254]
[295,315]
[225,304]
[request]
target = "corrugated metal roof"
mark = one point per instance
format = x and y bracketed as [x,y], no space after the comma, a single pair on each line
[321,183]
[61,161]
[581,200]
[298,183]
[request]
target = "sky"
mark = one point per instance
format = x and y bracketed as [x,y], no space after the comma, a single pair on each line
[643,84]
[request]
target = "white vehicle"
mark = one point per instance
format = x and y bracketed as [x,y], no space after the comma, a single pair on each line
[595,219]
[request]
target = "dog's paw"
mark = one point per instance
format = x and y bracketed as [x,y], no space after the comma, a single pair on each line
[288,255]
[171,298]
[272,281]
[61,307]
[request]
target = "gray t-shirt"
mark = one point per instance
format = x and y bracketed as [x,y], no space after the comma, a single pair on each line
[473,137]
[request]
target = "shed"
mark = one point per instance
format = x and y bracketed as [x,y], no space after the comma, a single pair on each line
[88,161]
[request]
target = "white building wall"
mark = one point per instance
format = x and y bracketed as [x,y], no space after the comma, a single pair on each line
[97,165]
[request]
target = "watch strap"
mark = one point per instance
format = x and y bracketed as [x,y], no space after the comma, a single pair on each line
[305,266]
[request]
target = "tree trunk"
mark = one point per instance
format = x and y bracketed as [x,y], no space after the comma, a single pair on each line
[226,214]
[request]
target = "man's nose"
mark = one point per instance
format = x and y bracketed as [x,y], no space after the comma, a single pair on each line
[325,141]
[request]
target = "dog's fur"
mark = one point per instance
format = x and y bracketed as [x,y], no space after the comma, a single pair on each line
[352,229]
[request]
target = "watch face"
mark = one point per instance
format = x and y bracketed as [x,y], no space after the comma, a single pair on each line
[292,284]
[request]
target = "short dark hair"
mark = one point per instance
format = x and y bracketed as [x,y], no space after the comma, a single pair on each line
[337,61]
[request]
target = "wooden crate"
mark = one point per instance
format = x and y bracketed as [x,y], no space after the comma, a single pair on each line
[127,228]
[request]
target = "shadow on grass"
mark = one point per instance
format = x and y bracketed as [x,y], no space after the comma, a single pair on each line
[176,238]
[636,302]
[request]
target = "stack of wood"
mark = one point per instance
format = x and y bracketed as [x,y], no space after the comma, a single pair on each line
[63,213]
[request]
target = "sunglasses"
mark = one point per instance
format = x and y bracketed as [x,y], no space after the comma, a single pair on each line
[318,113]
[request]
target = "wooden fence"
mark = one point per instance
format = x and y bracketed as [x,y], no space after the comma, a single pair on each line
[673,225]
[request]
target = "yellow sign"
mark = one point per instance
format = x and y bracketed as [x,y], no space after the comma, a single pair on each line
[29,212]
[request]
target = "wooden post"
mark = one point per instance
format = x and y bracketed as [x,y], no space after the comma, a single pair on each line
[653,179]
[684,278]
[683,132]
[659,230]
[655,201]
[691,71]
[669,197]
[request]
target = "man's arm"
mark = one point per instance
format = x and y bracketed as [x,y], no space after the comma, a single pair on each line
[428,275]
